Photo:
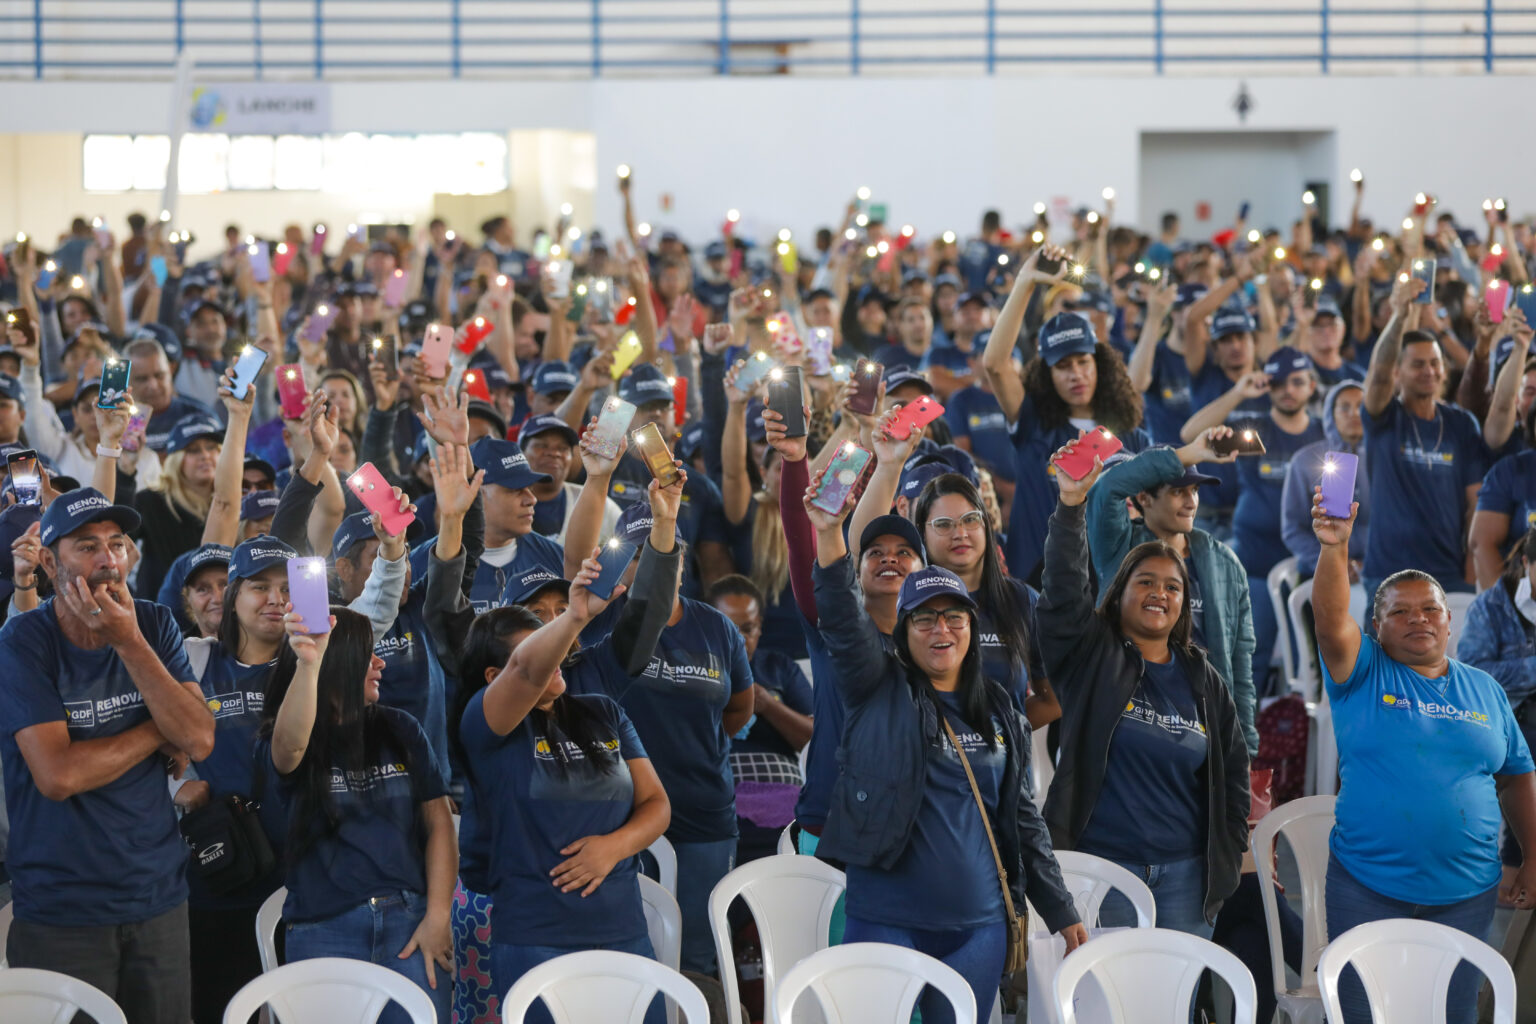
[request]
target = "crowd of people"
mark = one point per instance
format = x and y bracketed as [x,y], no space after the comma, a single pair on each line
[620,539]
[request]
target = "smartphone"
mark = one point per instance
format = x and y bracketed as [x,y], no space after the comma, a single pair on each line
[560,278]
[679,399]
[26,483]
[782,329]
[394,289]
[600,294]
[20,319]
[1424,270]
[320,322]
[160,271]
[261,261]
[291,390]
[138,423]
[246,369]
[1525,298]
[317,243]
[475,386]
[282,259]
[786,397]
[1242,211]
[473,333]
[653,449]
[841,477]
[1244,442]
[1497,295]
[46,274]
[842,372]
[915,414]
[103,235]
[867,375]
[436,344]
[1047,264]
[1339,482]
[387,354]
[357,232]
[578,305]
[615,558]
[758,366]
[541,246]
[625,355]
[1096,442]
[114,382]
[377,497]
[612,424]
[818,350]
[310,593]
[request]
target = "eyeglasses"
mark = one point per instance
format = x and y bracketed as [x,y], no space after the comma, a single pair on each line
[927,621]
[944,525]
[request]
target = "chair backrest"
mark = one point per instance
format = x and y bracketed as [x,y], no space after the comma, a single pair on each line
[1148,976]
[791,899]
[664,924]
[1281,581]
[787,842]
[869,983]
[330,990]
[32,996]
[599,986]
[1458,605]
[268,917]
[1089,879]
[1306,825]
[666,864]
[1406,967]
[1303,675]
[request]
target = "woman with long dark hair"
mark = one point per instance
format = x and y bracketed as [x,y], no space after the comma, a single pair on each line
[371,852]
[903,816]
[1153,772]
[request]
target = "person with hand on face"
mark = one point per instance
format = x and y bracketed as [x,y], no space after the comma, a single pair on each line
[917,835]
[550,445]
[1344,431]
[97,695]
[1153,771]
[1428,752]
[371,853]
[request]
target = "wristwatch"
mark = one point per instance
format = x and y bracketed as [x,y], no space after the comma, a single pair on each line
[109,453]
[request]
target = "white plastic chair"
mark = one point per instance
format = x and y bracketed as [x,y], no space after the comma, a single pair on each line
[1406,967]
[666,864]
[599,986]
[1458,605]
[1089,879]
[787,844]
[1306,824]
[791,898]
[664,924]
[269,917]
[1148,976]
[7,914]
[1281,581]
[869,983]
[32,996]
[1303,675]
[330,990]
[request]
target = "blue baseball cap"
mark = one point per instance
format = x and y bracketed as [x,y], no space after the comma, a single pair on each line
[1189,294]
[489,413]
[10,388]
[644,385]
[554,377]
[1284,361]
[191,428]
[946,279]
[688,445]
[913,480]
[634,523]
[1094,299]
[208,554]
[1229,321]
[894,526]
[980,298]
[494,376]
[164,335]
[527,586]
[923,585]
[354,529]
[1327,305]
[715,250]
[259,504]
[257,462]
[505,464]
[81,507]
[257,555]
[544,423]
[895,378]
[1066,334]
[1189,478]
[960,460]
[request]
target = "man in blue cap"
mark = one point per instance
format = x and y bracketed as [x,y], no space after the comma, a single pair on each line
[953,360]
[511,545]
[97,693]
[712,284]
[153,389]
[550,445]
[549,385]
[256,511]
[1320,334]
[202,361]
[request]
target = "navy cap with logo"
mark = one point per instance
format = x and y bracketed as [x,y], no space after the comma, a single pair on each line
[634,523]
[979,298]
[554,377]
[527,586]
[643,385]
[208,554]
[257,555]
[960,460]
[1284,361]
[164,335]
[923,585]
[488,412]
[915,478]
[892,526]
[86,387]
[190,313]
[354,529]
[495,377]
[715,250]
[1229,321]
[900,375]
[192,428]
[1066,334]
[688,445]
[10,388]
[505,464]
[1327,305]
[259,505]
[1189,294]
[81,507]
[546,423]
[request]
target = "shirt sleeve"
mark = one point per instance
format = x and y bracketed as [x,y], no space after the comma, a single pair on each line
[1496,495]
[796,689]
[710,513]
[1365,664]
[741,668]
[30,693]
[1517,758]
[630,746]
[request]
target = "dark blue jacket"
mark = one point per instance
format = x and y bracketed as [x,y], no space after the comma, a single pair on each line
[884,759]
[1500,641]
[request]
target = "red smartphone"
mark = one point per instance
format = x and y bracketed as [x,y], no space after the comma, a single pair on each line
[914,414]
[867,375]
[291,390]
[679,399]
[841,478]
[473,333]
[281,259]
[435,348]
[378,497]
[1096,442]
[1497,295]
[474,384]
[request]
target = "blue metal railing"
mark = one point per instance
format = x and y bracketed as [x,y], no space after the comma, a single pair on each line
[532,38]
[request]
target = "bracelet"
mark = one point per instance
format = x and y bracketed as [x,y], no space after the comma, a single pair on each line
[109,453]
[30,586]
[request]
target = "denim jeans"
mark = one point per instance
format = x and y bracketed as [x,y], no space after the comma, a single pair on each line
[1351,904]
[1178,890]
[977,954]
[699,867]
[509,963]
[376,932]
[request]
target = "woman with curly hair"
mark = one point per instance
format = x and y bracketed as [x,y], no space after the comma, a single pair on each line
[1074,383]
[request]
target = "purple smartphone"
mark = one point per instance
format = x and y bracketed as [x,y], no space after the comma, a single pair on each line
[1339,482]
[308,590]
[320,322]
[261,261]
[818,351]
[394,290]
[615,558]
[841,477]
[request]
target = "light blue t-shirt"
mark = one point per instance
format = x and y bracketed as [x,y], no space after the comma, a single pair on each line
[1418,815]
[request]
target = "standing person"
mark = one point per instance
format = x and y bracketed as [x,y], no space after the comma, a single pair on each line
[97,693]
[371,851]
[903,816]
[1428,751]
[1153,773]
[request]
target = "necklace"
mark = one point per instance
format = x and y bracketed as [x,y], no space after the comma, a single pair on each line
[1413,421]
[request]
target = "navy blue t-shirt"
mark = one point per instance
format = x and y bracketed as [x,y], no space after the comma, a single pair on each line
[782,678]
[1260,484]
[492,582]
[1167,400]
[157,432]
[549,516]
[537,792]
[1510,489]
[1207,386]
[973,413]
[1152,808]
[378,845]
[977,261]
[1196,598]
[110,855]
[413,678]
[994,656]
[894,354]
[1421,469]
[945,878]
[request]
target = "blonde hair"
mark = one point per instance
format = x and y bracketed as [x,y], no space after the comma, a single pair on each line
[178,495]
[770,550]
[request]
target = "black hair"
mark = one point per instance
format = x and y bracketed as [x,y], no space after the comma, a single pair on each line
[1415,337]
[229,625]
[734,585]
[1109,609]
[975,710]
[997,593]
[1116,402]
[1379,599]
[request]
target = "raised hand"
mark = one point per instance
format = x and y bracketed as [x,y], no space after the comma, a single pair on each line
[446,417]
[890,449]
[1202,448]
[718,338]
[451,482]
[1074,492]
[238,408]
[1030,271]
[594,463]
[112,424]
[791,449]
[1331,531]
[667,501]
[584,604]
[385,390]
[823,521]
[310,650]
[321,424]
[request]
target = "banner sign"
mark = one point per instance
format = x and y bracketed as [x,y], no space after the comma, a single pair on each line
[261,108]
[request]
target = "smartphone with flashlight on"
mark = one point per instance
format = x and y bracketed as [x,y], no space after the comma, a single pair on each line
[612,424]
[138,424]
[1424,270]
[867,375]
[614,559]
[114,383]
[1244,442]
[1096,443]
[261,261]
[786,397]
[914,415]
[309,593]
[840,479]
[379,498]
[246,369]
[26,482]
[291,391]
[1338,482]
[758,366]
[387,354]
[653,450]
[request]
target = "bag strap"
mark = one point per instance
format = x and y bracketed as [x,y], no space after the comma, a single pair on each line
[986,822]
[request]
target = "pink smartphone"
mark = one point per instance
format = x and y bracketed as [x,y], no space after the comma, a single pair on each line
[378,497]
[1497,295]
[138,423]
[818,351]
[914,414]
[1338,482]
[310,593]
[841,477]
[1096,442]
[394,290]
[291,390]
[435,348]
[612,424]
[281,259]
[317,243]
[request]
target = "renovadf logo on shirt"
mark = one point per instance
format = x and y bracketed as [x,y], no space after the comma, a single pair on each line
[1435,709]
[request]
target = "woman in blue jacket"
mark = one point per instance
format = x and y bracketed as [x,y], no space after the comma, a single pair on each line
[903,819]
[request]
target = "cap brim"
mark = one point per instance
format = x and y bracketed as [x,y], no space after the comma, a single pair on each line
[525,595]
[563,430]
[122,515]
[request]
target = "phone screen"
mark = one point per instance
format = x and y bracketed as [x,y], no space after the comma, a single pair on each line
[387,355]
[26,483]
[1424,270]
[114,383]
[1243,442]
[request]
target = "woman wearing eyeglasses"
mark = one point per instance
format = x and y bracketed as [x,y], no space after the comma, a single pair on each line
[903,818]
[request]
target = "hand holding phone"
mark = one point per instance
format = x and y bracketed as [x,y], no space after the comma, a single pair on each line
[319,323]
[1096,443]
[841,478]
[138,424]
[436,348]
[614,558]
[652,448]
[387,354]
[26,482]
[114,382]
[1338,482]
[625,355]
[379,498]
[1497,295]
[867,377]
[786,397]
[247,368]
[310,595]
[913,415]
[1243,442]
[1424,270]
[292,391]
[261,261]
[756,367]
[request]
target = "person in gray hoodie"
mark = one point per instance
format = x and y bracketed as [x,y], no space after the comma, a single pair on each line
[1345,432]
